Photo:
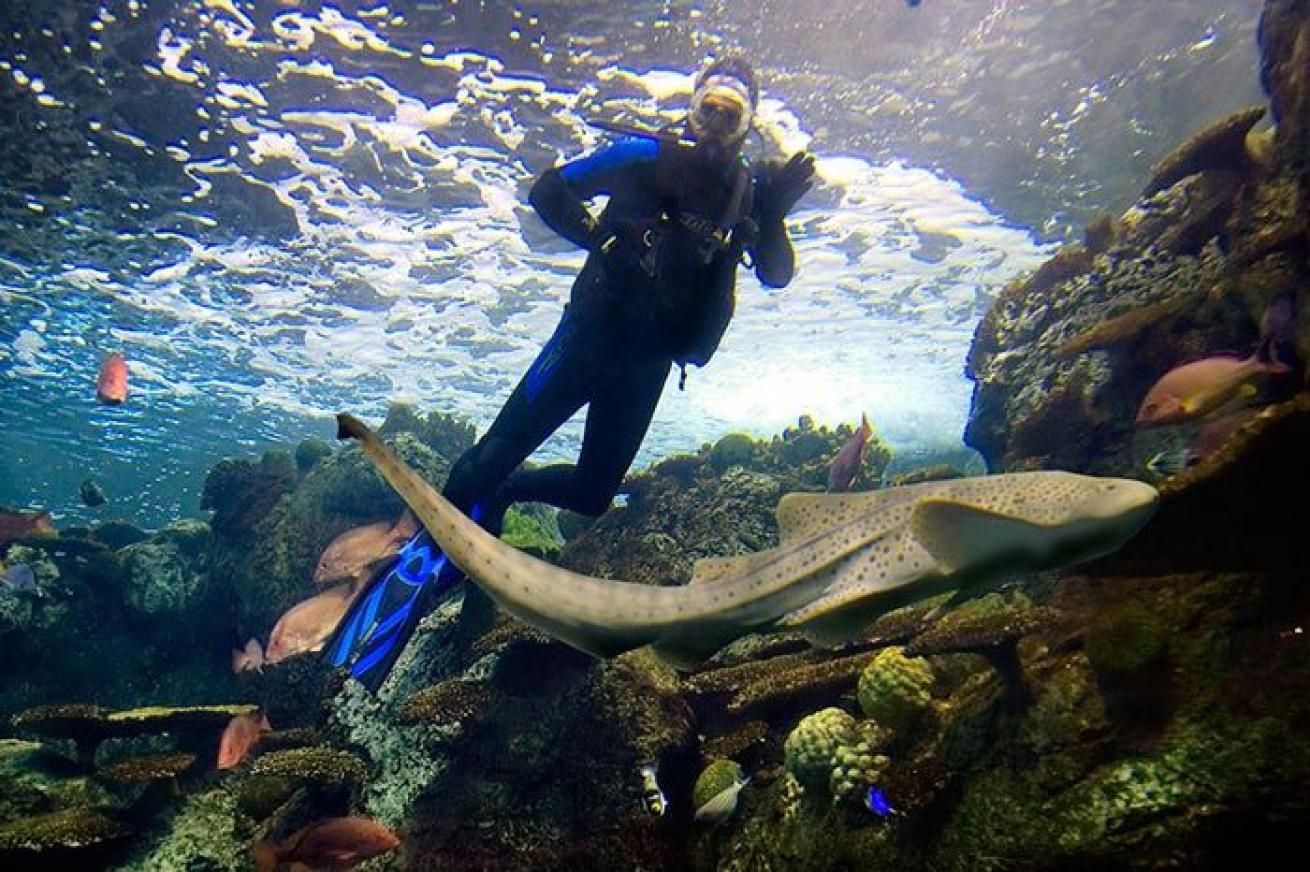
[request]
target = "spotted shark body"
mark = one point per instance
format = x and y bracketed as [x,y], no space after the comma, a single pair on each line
[843,559]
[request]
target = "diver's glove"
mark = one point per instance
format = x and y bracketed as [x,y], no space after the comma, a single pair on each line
[779,188]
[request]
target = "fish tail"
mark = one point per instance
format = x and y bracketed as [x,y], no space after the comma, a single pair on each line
[266,856]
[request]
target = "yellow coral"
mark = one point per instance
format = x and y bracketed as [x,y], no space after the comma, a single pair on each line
[894,689]
[829,750]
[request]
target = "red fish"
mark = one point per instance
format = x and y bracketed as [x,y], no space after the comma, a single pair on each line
[307,625]
[352,555]
[1198,388]
[334,843]
[249,657]
[111,385]
[241,734]
[21,525]
[846,464]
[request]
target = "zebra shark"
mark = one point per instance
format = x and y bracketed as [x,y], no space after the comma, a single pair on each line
[843,559]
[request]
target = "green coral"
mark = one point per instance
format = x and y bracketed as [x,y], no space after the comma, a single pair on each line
[829,750]
[895,690]
[715,778]
[309,452]
[527,534]
[734,449]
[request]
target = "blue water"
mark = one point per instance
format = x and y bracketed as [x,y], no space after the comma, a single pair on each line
[277,211]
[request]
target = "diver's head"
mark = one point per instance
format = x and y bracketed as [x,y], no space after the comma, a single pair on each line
[723,103]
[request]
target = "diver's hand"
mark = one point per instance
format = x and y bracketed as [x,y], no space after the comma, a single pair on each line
[782,187]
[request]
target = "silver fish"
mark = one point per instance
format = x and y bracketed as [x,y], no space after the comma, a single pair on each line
[721,806]
[20,577]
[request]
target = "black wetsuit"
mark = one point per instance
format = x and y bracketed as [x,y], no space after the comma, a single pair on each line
[657,289]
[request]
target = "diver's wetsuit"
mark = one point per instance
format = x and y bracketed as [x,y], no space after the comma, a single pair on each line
[656,289]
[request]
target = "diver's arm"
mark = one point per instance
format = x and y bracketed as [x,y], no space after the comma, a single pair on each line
[559,193]
[775,262]
[561,209]
[777,188]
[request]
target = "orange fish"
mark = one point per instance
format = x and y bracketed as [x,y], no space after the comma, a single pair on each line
[334,843]
[249,657]
[1198,388]
[21,525]
[846,464]
[353,555]
[111,385]
[241,734]
[307,625]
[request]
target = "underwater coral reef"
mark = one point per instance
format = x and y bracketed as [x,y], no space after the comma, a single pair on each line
[1149,710]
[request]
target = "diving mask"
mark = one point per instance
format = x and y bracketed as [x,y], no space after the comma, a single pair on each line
[720,109]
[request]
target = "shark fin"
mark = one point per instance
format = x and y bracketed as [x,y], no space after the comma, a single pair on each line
[801,515]
[838,617]
[959,535]
[709,569]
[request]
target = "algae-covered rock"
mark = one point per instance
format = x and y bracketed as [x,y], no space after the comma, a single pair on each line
[309,452]
[734,449]
[895,690]
[33,614]
[242,492]
[445,434]
[206,835]
[159,581]
[528,534]
[1126,640]
[715,778]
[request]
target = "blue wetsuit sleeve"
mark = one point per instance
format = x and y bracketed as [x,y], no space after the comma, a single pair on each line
[558,193]
[597,172]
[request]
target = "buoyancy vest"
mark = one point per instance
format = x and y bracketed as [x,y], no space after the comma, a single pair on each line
[683,266]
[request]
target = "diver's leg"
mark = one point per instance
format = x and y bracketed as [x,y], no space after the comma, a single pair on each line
[385,614]
[617,419]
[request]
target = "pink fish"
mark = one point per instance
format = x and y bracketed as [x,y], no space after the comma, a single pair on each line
[334,843]
[249,657]
[307,625]
[353,555]
[1203,386]
[846,464]
[241,734]
[111,383]
[21,525]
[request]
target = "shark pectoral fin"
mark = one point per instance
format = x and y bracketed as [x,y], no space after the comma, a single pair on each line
[693,647]
[801,515]
[835,618]
[709,569]
[959,536]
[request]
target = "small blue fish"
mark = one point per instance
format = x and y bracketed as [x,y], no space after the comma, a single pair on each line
[877,802]
[20,577]
[911,3]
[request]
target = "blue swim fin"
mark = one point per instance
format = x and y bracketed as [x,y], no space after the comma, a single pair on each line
[385,614]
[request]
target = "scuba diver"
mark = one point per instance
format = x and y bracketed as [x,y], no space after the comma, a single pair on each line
[657,289]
